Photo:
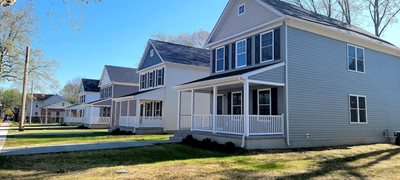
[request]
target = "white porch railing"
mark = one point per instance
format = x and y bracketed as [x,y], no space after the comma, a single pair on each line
[184,122]
[133,121]
[234,124]
[74,119]
[96,120]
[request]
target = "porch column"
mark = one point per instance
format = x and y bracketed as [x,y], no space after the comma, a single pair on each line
[179,111]
[91,115]
[45,117]
[215,91]
[191,109]
[137,112]
[246,107]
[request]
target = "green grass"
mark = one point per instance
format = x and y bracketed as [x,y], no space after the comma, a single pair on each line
[58,135]
[173,161]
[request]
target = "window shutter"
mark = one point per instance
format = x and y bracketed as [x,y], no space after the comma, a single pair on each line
[162,76]
[257,49]
[226,57]
[274,101]
[160,108]
[277,44]
[213,61]
[255,104]
[248,51]
[233,55]
[229,103]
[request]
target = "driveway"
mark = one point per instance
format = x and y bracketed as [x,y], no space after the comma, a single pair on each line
[3,133]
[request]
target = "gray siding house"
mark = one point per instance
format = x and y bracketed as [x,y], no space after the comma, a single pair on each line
[285,77]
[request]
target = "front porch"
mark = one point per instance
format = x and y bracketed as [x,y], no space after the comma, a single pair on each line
[98,114]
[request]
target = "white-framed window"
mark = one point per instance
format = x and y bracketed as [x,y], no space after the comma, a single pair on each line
[157,109]
[236,103]
[267,46]
[220,59]
[152,53]
[241,53]
[264,101]
[356,58]
[241,9]
[160,77]
[151,80]
[142,82]
[110,91]
[358,109]
[149,109]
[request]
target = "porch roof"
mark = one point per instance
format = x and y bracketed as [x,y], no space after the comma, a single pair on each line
[75,106]
[151,94]
[101,102]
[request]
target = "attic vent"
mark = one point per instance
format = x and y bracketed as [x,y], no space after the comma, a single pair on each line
[241,9]
[152,53]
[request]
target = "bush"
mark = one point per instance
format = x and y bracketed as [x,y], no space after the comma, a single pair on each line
[209,144]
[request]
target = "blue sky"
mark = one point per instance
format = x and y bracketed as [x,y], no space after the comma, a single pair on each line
[115,32]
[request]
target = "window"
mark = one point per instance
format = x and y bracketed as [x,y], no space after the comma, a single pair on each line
[355,56]
[264,102]
[267,46]
[157,109]
[149,108]
[160,76]
[36,113]
[152,53]
[105,92]
[220,99]
[241,53]
[220,59]
[151,79]
[241,9]
[142,82]
[358,109]
[236,103]
[110,91]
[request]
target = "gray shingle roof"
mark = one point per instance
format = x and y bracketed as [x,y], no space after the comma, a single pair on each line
[181,54]
[40,97]
[122,74]
[301,13]
[91,85]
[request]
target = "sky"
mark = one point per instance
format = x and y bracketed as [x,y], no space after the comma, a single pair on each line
[84,38]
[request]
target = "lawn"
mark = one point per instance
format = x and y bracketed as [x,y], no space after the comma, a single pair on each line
[35,135]
[174,161]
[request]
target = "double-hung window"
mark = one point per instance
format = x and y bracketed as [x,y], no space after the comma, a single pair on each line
[267,46]
[110,91]
[264,102]
[220,59]
[358,109]
[157,109]
[241,53]
[355,56]
[160,77]
[237,103]
[151,80]
[142,82]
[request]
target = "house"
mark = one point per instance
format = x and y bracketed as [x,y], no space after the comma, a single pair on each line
[163,66]
[89,91]
[285,77]
[45,108]
[115,82]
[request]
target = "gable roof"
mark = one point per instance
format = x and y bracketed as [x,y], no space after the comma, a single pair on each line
[301,13]
[122,74]
[91,85]
[40,97]
[181,54]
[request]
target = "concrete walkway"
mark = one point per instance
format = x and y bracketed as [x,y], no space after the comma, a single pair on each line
[3,133]
[78,147]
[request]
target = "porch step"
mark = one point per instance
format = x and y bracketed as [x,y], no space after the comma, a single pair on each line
[179,135]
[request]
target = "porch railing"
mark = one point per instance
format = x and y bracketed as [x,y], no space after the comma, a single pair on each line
[133,121]
[184,122]
[97,120]
[234,124]
[74,119]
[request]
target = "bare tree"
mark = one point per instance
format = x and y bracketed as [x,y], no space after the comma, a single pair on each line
[383,13]
[6,3]
[71,90]
[345,9]
[195,39]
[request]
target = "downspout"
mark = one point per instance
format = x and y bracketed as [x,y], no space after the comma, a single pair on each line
[242,79]
[287,86]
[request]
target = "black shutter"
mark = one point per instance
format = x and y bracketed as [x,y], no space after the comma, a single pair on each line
[277,44]
[162,76]
[160,108]
[257,50]
[229,103]
[248,51]
[233,55]
[226,57]
[213,61]
[274,101]
[255,104]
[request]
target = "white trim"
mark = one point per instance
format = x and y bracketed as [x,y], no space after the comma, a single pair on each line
[125,84]
[216,59]
[258,100]
[251,73]
[210,83]
[266,83]
[236,53]
[355,58]
[358,109]
[287,86]
[241,102]
[272,45]
[238,9]
[145,52]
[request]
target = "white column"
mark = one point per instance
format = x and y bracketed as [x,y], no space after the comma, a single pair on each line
[246,107]
[215,92]
[191,109]
[137,111]
[91,115]
[127,113]
[179,111]
[46,117]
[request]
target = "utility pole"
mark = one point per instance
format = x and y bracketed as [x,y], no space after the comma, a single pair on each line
[23,101]
[30,114]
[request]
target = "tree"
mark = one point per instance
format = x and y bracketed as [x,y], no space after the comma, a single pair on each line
[71,89]
[383,13]
[6,3]
[10,99]
[195,39]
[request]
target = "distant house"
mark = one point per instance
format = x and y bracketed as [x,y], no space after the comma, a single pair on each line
[284,77]
[115,82]
[45,108]
[89,92]
[163,66]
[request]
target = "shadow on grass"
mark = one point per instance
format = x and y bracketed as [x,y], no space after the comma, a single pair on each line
[56,135]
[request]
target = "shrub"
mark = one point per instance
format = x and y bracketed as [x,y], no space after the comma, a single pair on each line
[209,144]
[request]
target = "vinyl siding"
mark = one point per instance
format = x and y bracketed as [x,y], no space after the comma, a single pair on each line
[150,61]
[274,75]
[231,23]
[120,90]
[319,88]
